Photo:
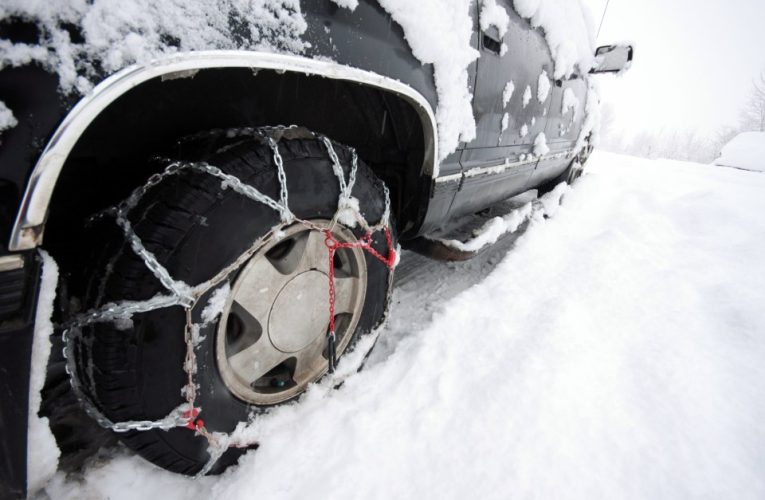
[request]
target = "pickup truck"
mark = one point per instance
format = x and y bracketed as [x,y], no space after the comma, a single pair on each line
[224,191]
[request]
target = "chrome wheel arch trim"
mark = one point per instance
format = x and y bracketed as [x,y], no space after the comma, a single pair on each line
[30,220]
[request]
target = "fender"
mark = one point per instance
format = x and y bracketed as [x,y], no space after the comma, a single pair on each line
[30,221]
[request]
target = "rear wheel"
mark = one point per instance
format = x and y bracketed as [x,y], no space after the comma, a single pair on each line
[571,174]
[262,338]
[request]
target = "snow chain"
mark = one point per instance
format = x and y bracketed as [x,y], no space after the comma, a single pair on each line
[186,296]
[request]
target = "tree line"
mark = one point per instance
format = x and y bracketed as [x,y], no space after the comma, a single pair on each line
[688,145]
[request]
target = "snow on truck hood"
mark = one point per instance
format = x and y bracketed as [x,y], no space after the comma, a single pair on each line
[745,151]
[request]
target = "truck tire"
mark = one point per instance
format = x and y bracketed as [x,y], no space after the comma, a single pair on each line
[274,318]
[572,172]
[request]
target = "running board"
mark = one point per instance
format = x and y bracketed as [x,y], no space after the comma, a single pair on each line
[492,231]
[438,250]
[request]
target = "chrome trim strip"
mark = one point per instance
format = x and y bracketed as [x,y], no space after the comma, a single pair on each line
[29,225]
[11,263]
[501,167]
[449,178]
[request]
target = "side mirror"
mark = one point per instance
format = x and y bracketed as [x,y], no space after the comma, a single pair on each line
[612,59]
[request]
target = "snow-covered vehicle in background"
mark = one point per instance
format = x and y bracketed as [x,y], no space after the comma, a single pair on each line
[745,151]
[257,252]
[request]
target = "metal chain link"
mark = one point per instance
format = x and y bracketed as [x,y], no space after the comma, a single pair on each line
[187,296]
[173,419]
[338,168]
[135,196]
[179,289]
[287,216]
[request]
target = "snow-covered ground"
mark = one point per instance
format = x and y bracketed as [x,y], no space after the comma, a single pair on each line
[615,350]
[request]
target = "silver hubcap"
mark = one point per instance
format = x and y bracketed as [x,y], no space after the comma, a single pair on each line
[271,341]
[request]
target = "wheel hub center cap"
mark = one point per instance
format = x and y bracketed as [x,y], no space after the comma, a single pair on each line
[300,312]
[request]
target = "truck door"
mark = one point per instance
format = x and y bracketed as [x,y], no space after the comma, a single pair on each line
[508,111]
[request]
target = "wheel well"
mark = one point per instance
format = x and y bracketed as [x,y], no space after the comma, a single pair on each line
[110,158]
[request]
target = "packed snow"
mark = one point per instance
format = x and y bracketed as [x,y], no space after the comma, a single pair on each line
[444,41]
[216,304]
[540,145]
[507,93]
[42,451]
[527,96]
[590,131]
[7,120]
[543,87]
[117,34]
[614,350]
[570,102]
[347,4]
[746,150]
[493,15]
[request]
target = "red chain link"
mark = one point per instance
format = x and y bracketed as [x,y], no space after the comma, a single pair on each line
[365,243]
[194,423]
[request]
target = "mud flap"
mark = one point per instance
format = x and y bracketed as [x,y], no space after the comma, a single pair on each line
[19,289]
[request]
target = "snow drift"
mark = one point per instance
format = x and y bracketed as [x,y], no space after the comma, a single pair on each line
[616,352]
[745,151]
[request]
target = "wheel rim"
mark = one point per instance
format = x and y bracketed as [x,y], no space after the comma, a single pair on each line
[271,340]
[575,172]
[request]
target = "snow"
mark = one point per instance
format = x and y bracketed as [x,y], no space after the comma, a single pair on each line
[524,130]
[543,87]
[348,210]
[507,93]
[497,227]
[216,304]
[568,29]
[540,145]
[348,4]
[505,121]
[527,96]
[570,102]
[439,33]
[613,350]
[7,120]
[746,150]
[493,15]
[118,33]
[590,131]
[42,451]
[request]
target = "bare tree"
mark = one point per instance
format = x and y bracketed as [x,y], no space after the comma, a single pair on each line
[683,145]
[753,114]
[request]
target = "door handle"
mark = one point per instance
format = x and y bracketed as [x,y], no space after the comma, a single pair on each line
[492,44]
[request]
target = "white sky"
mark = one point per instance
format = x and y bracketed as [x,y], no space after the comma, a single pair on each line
[694,61]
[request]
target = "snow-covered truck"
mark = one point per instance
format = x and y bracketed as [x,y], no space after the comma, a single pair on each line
[222,187]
